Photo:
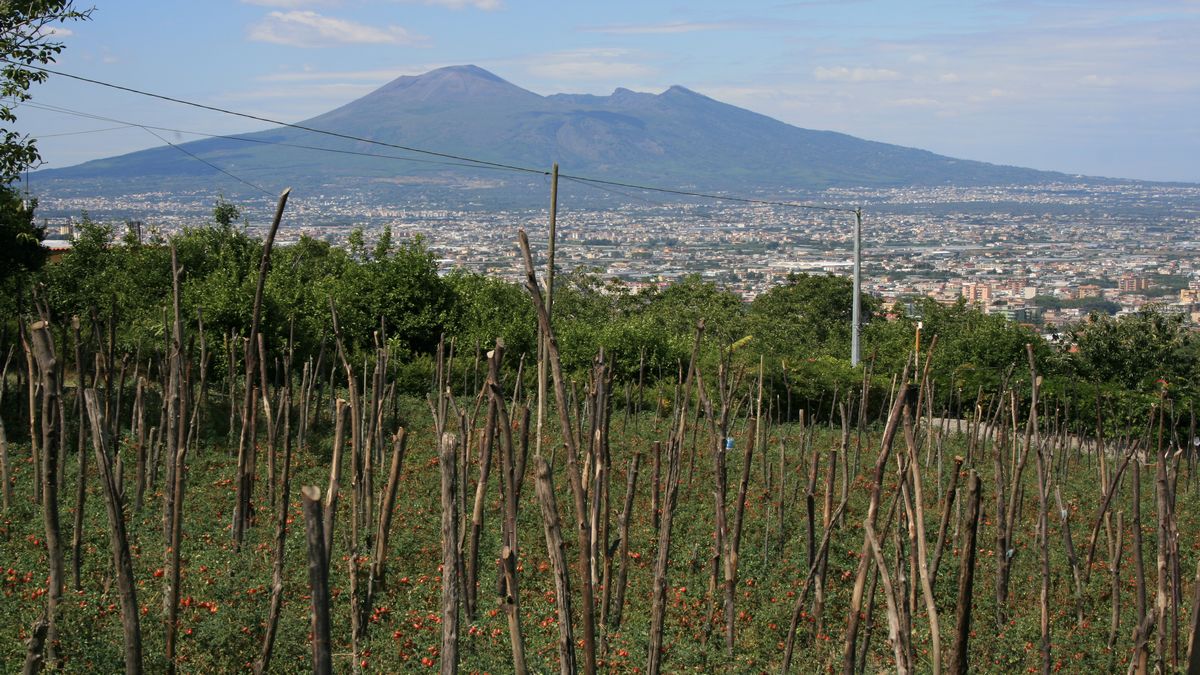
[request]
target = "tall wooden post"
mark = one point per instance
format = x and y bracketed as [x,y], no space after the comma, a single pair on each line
[856,310]
[542,371]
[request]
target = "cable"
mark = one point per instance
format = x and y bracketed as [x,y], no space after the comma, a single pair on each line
[244,139]
[444,155]
[268,120]
[88,131]
[205,161]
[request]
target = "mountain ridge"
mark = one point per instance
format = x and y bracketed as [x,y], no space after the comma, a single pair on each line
[677,137]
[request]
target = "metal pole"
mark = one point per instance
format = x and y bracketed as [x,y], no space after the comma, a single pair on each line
[856,312]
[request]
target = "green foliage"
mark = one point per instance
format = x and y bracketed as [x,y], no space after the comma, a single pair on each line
[26,39]
[804,316]
[1135,351]
[487,308]
[21,250]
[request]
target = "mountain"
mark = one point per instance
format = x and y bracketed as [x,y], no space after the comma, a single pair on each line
[677,138]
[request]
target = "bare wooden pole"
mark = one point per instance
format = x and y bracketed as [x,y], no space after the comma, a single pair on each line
[966,577]
[543,370]
[448,464]
[573,472]
[623,557]
[35,645]
[118,540]
[918,494]
[386,508]
[671,491]
[508,590]
[43,351]
[81,479]
[860,580]
[335,477]
[947,504]
[1116,551]
[556,551]
[1193,646]
[487,442]
[318,579]
[246,456]
[284,488]
[177,456]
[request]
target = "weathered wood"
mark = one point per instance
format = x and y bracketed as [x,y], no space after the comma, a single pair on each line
[335,478]
[386,509]
[263,663]
[802,596]
[966,577]
[35,646]
[626,516]
[448,463]
[242,515]
[318,579]
[850,652]
[485,465]
[947,503]
[556,552]
[573,471]
[507,584]
[81,477]
[118,539]
[6,492]
[43,351]
[662,558]
[1193,646]
[926,581]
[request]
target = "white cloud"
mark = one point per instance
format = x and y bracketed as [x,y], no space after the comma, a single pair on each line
[322,93]
[949,78]
[664,28]
[309,74]
[290,4]
[844,74]
[485,5]
[1097,81]
[589,64]
[309,29]
[916,102]
[49,31]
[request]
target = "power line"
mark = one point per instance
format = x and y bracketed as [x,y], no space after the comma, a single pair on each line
[205,161]
[86,131]
[259,118]
[244,139]
[444,155]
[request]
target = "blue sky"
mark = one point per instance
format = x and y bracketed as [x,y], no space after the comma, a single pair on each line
[1085,86]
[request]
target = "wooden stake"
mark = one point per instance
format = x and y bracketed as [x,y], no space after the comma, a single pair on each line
[318,579]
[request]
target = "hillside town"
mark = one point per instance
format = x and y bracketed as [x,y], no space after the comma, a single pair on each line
[1045,256]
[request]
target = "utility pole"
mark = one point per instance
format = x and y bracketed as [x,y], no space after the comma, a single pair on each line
[856,312]
[543,348]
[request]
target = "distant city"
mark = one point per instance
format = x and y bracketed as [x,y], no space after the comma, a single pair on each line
[1044,255]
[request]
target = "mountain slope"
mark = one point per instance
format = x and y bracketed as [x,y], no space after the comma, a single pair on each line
[677,138]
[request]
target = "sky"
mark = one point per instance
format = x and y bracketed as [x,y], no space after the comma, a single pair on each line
[1096,87]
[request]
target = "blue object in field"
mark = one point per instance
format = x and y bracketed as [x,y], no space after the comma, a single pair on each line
[729,443]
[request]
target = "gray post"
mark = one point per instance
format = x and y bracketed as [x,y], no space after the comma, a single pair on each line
[856,313]
[543,373]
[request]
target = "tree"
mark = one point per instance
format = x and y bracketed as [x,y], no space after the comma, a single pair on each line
[21,251]
[26,41]
[1135,351]
[806,315]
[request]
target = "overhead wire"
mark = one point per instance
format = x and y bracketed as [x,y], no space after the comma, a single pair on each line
[246,139]
[444,155]
[205,161]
